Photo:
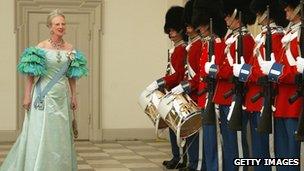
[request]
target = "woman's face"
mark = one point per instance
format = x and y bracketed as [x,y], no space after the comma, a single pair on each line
[58,26]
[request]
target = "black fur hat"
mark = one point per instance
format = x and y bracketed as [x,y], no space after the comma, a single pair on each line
[248,17]
[203,10]
[174,17]
[291,3]
[276,12]
[188,11]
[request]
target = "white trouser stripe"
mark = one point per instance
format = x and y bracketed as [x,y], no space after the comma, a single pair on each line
[181,154]
[301,155]
[240,147]
[271,141]
[219,146]
[200,150]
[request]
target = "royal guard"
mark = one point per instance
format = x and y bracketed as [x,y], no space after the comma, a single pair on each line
[222,71]
[213,35]
[190,86]
[271,19]
[175,74]
[283,71]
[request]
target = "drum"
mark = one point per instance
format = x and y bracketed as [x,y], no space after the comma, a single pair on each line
[149,101]
[181,114]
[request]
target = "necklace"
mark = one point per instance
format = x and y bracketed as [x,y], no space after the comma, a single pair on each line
[57,46]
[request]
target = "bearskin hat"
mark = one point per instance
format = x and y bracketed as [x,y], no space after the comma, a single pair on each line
[188,11]
[174,17]
[203,10]
[291,3]
[276,12]
[248,17]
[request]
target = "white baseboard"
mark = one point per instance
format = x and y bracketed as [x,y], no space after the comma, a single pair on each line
[128,134]
[8,136]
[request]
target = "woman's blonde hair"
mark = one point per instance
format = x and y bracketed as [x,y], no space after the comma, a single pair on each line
[52,15]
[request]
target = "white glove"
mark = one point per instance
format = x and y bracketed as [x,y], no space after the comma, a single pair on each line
[237,67]
[153,86]
[208,64]
[178,89]
[266,65]
[300,64]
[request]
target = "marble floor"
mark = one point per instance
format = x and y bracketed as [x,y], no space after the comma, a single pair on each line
[116,156]
[138,155]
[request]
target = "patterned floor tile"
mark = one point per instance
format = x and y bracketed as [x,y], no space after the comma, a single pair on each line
[151,153]
[112,169]
[140,165]
[141,147]
[127,157]
[93,154]
[109,145]
[115,156]
[84,166]
[107,165]
[110,151]
[102,162]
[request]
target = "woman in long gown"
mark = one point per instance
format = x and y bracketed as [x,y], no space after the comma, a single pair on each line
[46,141]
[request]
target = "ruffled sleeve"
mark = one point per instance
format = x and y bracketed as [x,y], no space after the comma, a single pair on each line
[78,66]
[32,62]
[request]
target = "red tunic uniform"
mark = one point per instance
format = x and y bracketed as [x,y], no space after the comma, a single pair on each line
[177,69]
[256,73]
[287,87]
[202,85]
[248,46]
[219,47]
[193,60]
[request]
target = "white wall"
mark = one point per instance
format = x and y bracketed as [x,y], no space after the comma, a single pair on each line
[134,54]
[8,99]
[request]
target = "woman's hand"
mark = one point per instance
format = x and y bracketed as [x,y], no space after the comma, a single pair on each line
[27,100]
[74,104]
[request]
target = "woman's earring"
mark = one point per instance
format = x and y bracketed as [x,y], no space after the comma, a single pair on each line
[52,32]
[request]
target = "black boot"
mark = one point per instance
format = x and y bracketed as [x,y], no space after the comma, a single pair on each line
[173,164]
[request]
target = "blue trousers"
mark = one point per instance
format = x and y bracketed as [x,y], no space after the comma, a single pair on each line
[193,144]
[195,150]
[286,145]
[210,147]
[174,147]
[230,145]
[260,141]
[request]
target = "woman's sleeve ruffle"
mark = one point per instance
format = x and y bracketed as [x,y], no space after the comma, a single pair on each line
[32,62]
[78,66]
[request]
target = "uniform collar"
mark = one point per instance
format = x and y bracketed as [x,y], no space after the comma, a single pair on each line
[206,38]
[194,39]
[181,42]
